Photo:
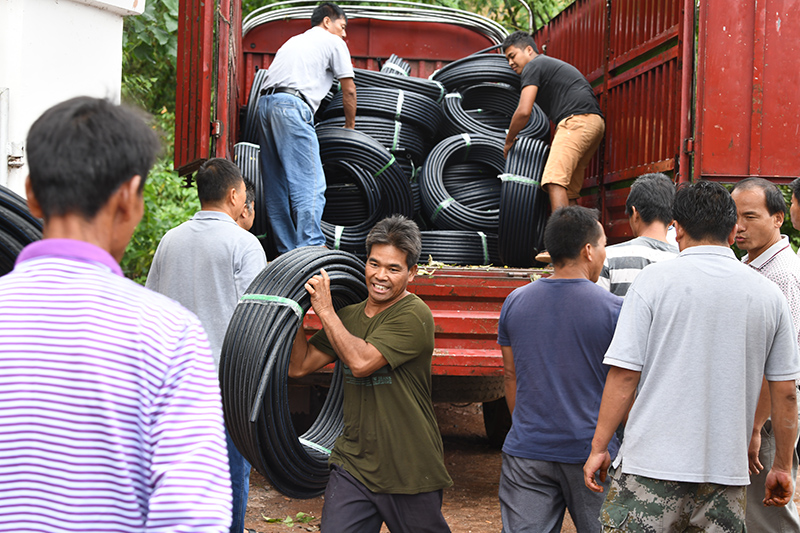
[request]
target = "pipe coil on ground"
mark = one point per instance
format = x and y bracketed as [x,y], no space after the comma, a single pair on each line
[342,144]
[18,228]
[395,136]
[429,88]
[250,132]
[246,157]
[439,205]
[460,247]
[523,209]
[394,104]
[254,364]
[475,69]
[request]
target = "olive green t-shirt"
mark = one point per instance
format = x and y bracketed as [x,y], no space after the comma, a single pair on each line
[391,442]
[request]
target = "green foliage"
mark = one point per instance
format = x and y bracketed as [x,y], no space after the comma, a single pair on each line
[300,518]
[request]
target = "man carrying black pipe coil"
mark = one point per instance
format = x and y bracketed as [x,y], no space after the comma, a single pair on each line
[388,464]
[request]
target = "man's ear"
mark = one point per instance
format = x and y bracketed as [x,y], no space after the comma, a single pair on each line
[129,196]
[732,236]
[33,203]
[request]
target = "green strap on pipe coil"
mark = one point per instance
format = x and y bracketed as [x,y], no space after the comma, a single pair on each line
[485,248]
[441,206]
[469,143]
[269,299]
[387,165]
[396,68]
[314,446]
[399,108]
[337,237]
[397,125]
[519,179]
[442,91]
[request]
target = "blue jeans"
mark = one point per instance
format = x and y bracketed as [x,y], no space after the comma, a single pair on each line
[240,484]
[291,170]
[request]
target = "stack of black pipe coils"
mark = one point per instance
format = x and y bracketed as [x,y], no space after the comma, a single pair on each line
[471,70]
[246,157]
[396,136]
[460,247]
[373,168]
[396,66]
[474,184]
[18,228]
[439,204]
[395,104]
[254,365]
[250,131]
[429,88]
[522,203]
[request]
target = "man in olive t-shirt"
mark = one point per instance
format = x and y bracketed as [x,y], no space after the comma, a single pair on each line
[388,465]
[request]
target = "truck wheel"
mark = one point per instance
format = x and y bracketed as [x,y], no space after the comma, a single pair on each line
[466,389]
[497,421]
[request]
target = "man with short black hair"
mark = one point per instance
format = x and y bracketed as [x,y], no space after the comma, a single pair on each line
[761,208]
[553,334]
[111,412]
[649,210]
[299,77]
[387,466]
[565,96]
[695,336]
[206,264]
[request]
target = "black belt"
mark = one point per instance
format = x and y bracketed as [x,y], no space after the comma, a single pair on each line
[287,90]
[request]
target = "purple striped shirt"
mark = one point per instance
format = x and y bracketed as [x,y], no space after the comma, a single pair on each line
[110,412]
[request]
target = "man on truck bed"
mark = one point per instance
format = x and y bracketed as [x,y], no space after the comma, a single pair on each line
[694,339]
[388,463]
[761,208]
[568,100]
[553,334]
[299,77]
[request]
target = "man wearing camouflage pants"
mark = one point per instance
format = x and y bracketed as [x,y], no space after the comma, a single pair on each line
[695,336]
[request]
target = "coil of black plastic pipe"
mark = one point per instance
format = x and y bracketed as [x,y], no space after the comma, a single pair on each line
[246,157]
[439,205]
[428,88]
[250,131]
[460,247]
[18,228]
[395,136]
[254,364]
[474,184]
[522,203]
[396,66]
[342,144]
[474,69]
[395,104]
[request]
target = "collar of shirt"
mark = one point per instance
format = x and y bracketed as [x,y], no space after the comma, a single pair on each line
[213,215]
[709,249]
[69,249]
[768,255]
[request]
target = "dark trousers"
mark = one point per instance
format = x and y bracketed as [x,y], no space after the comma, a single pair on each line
[352,508]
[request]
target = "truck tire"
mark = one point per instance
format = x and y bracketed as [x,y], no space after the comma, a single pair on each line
[496,421]
[467,389]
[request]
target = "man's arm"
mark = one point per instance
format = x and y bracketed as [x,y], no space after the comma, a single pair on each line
[306,358]
[762,414]
[362,357]
[618,394]
[349,102]
[509,377]
[784,424]
[521,116]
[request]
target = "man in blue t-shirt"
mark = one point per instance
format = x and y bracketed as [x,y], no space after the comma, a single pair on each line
[553,334]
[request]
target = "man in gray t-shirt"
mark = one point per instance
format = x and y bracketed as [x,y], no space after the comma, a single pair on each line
[695,336]
[298,78]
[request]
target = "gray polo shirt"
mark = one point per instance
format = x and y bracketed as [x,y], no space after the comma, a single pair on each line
[206,264]
[702,329]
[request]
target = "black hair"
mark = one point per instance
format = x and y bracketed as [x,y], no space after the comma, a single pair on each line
[400,232]
[705,210]
[326,9]
[250,191]
[569,229]
[795,187]
[652,195]
[772,194]
[215,178]
[82,150]
[521,40]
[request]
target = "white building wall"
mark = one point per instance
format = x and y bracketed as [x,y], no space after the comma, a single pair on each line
[52,50]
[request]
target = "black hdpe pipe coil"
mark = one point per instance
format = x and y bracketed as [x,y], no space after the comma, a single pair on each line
[522,203]
[342,144]
[473,184]
[460,247]
[338,234]
[395,104]
[18,228]
[396,66]
[254,365]
[424,87]
[246,157]
[439,205]
[395,136]
[250,132]
[475,69]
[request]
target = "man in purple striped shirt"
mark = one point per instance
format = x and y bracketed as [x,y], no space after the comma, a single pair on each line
[110,414]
